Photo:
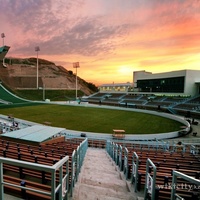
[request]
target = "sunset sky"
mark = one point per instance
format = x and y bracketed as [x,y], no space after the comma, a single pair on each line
[109,38]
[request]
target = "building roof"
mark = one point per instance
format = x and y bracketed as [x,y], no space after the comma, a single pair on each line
[115,84]
[36,133]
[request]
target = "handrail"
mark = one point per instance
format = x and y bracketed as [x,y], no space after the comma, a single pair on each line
[134,176]
[116,154]
[62,187]
[73,172]
[77,162]
[150,182]
[183,176]
[120,157]
[126,162]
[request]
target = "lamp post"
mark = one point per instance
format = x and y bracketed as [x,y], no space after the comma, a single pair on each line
[37,49]
[44,92]
[76,65]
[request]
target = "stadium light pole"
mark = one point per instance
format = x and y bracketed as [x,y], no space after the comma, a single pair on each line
[3,36]
[37,49]
[76,65]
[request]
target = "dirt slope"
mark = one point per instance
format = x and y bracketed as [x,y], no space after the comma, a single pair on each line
[22,73]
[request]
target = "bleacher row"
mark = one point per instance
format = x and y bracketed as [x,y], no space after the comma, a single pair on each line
[46,154]
[146,101]
[179,159]
[166,160]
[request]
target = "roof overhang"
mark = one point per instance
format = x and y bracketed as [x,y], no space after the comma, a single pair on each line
[36,133]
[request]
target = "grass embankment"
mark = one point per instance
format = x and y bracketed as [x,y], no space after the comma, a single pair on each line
[53,95]
[94,119]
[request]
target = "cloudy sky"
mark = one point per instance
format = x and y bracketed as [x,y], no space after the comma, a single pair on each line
[109,38]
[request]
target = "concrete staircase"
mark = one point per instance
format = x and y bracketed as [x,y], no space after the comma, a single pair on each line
[100,180]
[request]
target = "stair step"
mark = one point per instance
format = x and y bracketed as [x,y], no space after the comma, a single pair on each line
[99,193]
[113,183]
[99,179]
[99,169]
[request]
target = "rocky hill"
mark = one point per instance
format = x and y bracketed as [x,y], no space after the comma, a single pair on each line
[22,74]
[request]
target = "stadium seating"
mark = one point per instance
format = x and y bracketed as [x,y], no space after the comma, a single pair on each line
[47,154]
[165,162]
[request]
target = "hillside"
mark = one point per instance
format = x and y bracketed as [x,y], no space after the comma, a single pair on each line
[21,74]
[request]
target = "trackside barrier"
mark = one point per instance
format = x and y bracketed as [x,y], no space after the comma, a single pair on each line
[126,162]
[150,182]
[194,182]
[62,188]
[134,176]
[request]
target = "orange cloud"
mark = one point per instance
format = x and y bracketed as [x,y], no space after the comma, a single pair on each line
[110,39]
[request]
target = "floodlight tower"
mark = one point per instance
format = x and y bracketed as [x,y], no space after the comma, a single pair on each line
[76,65]
[3,36]
[37,49]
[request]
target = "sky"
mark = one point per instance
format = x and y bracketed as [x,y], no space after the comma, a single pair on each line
[109,38]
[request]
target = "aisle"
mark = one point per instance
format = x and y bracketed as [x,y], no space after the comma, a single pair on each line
[100,180]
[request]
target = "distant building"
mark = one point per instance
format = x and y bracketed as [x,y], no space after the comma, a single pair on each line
[116,87]
[183,82]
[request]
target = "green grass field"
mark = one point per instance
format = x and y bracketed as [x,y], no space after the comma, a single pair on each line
[93,119]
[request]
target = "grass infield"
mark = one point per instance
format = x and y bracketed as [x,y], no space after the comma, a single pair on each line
[94,119]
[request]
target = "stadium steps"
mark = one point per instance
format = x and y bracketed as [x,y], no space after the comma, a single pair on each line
[100,179]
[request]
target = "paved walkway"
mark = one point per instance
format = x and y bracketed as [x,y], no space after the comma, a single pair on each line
[100,180]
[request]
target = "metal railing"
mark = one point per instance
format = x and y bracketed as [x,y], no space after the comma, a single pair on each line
[61,188]
[120,157]
[150,182]
[134,175]
[194,150]
[194,182]
[116,147]
[126,165]
[78,156]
